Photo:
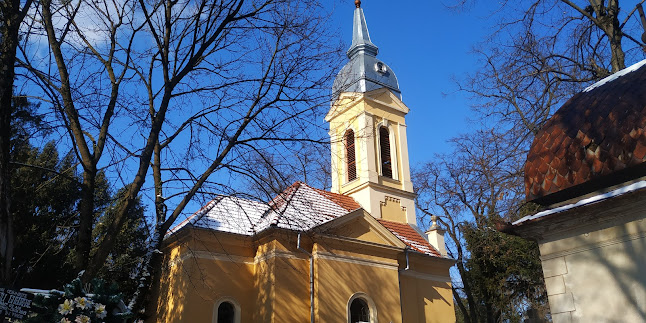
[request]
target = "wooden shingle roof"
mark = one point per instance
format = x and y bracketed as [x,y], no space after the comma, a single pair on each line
[598,132]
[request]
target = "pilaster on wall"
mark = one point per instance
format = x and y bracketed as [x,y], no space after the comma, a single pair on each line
[407,184]
[560,299]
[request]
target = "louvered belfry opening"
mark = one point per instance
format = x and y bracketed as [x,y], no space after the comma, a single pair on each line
[350,156]
[384,143]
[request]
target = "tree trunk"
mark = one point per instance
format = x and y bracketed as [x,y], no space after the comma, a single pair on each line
[615,34]
[75,130]
[86,220]
[9,33]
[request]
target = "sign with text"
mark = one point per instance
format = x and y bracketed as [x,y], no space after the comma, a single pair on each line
[14,304]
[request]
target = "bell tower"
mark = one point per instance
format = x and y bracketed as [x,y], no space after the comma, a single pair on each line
[368,132]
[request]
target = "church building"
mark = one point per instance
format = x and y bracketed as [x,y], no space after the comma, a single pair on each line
[352,254]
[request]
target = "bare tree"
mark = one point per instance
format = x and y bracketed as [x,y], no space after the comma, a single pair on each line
[264,110]
[500,276]
[544,51]
[185,89]
[540,53]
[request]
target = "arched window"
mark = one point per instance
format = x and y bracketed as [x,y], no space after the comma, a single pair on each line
[351,162]
[226,313]
[226,310]
[359,311]
[384,145]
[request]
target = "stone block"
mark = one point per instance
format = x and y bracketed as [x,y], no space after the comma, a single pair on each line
[561,303]
[555,285]
[554,267]
[562,317]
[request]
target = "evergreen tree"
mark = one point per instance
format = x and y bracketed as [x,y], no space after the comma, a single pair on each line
[124,263]
[44,194]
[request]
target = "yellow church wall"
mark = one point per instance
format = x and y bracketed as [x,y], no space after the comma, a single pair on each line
[357,229]
[169,294]
[425,300]
[383,95]
[346,248]
[426,289]
[283,270]
[199,274]
[389,182]
[222,243]
[344,268]
[337,280]
[365,113]
[219,268]
[273,285]
[292,297]
[395,182]
[264,283]
[219,279]
[380,112]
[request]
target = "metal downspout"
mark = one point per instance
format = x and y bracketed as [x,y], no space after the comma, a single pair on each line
[399,275]
[298,246]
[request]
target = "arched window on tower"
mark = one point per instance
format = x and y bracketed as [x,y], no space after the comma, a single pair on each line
[384,145]
[351,162]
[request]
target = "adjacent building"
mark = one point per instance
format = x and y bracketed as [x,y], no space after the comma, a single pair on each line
[587,168]
[352,254]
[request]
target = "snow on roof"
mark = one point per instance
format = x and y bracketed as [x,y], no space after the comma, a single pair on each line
[300,208]
[227,213]
[615,76]
[620,191]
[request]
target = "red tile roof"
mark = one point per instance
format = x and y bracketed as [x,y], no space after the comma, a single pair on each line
[596,133]
[343,201]
[410,237]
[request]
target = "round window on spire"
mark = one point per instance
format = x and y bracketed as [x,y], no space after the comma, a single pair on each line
[381,68]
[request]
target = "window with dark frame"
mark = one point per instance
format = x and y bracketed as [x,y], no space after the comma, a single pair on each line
[351,162]
[359,311]
[384,144]
[226,313]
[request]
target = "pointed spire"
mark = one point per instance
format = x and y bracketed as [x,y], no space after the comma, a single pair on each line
[360,37]
[364,71]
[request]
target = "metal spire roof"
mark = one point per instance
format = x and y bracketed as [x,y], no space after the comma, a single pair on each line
[360,37]
[364,72]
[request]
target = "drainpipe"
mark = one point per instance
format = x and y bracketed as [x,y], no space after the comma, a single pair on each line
[399,275]
[298,246]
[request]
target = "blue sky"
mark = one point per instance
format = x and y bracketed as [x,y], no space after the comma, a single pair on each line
[427,45]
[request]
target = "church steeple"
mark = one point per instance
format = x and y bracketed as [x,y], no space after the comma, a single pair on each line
[361,43]
[364,72]
[368,132]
